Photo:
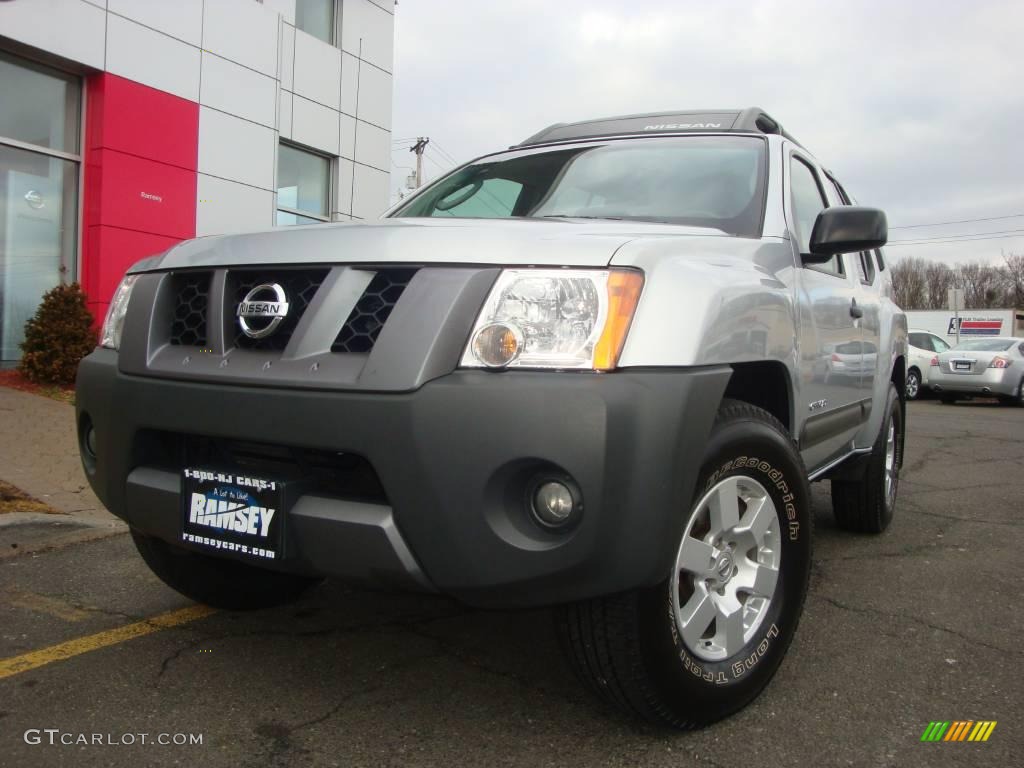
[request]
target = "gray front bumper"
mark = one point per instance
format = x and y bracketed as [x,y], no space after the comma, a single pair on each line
[451,458]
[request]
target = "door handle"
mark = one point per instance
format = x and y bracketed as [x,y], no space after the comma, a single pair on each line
[856,312]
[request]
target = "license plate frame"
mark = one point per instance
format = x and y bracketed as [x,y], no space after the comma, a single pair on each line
[227,512]
[960,365]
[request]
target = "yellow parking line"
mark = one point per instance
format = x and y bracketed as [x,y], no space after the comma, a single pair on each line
[33,659]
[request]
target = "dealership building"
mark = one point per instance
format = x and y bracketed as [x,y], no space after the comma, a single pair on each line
[129,125]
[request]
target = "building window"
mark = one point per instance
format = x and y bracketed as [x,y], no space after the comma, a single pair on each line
[317,18]
[303,186]
[40,124]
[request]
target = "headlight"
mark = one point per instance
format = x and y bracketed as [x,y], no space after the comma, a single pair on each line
[112,326]
[554,318]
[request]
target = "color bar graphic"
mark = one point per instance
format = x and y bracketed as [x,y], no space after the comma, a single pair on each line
[958,730]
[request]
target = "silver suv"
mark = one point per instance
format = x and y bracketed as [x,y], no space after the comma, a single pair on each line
[596,371]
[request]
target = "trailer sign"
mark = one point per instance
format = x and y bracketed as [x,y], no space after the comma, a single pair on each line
[976,327]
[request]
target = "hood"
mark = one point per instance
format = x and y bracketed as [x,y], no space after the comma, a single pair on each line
[520,242]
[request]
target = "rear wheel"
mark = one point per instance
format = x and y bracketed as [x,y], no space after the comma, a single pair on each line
[705,642]
[217,581]
[867,505]
[913,384]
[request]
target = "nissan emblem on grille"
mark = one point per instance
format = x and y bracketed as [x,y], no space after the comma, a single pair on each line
[269,314]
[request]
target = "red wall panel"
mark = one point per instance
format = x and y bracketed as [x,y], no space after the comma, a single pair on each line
[141,147]
[144,195]
[142,121]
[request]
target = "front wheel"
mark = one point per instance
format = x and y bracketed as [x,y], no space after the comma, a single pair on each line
[705,642]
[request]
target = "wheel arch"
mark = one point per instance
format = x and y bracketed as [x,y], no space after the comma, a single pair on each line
[765,384]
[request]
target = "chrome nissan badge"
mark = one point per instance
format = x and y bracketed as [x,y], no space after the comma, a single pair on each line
[266,311]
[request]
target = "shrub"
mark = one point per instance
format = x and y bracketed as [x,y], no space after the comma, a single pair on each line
[57,337]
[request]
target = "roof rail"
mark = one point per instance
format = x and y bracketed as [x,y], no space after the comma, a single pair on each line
[752,119]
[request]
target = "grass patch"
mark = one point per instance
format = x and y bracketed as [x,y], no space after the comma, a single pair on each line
[16,500]
[12,378]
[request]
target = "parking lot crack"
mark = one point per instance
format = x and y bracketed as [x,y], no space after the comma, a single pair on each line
[916,619]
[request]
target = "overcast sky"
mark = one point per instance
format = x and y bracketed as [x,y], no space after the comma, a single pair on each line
[917,106]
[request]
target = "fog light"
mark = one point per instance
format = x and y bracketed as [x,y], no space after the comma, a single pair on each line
[498,344]
[553,504]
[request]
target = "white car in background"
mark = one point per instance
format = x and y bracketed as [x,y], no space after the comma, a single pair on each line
[922,348]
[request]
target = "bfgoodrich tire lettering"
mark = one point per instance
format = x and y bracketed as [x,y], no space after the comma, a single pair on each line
[629,647]
[216,581]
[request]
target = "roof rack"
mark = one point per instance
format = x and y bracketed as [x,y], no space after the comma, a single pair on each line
[752,119]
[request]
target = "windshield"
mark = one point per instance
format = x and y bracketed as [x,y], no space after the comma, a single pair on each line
[984,345]
[702,181]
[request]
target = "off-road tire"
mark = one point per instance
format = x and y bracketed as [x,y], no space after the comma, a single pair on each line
[626,647]
[865,506]
[218,581]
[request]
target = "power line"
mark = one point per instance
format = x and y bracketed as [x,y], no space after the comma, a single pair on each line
[962,221]
[966,239]
[446,154]
[959,237]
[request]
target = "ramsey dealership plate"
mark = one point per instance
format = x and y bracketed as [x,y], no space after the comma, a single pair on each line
[233,513]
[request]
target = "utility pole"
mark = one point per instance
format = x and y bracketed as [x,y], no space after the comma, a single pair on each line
[419,148]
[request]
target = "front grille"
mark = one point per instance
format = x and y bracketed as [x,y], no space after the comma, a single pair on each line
[300,285]
[191,304]
[329,473]
[364,323]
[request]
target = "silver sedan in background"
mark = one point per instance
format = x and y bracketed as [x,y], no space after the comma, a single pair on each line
[986,367]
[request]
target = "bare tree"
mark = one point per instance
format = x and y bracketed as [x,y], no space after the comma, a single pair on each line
[982,284]
[939,279]
[909,286]
[1013,278]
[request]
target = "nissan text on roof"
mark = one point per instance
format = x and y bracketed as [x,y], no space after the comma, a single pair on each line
[580,373]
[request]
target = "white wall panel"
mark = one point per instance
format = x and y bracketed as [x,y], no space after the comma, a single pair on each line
[225,207]
[387,5]
[317,70]
[287,67]
[236,149]
[284,115]
[343,186]
[182,19]
[153,59]
[314,125]
[349,83]
[70,28]
[285,7]
[371,192]
[362,21]
[243,31]
[347,130]
[232,88]
[374,96]
[373,146]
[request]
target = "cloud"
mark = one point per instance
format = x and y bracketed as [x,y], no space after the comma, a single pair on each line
[916,106]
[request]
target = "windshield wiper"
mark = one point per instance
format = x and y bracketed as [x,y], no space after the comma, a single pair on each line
[568,216]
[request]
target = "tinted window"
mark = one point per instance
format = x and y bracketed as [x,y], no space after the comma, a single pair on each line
[316,17]
[939,344]
[702,181]
[808,202]
[849,348]
[921,341]
[984,345]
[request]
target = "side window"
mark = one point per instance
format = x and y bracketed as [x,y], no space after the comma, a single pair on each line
[920,340]
[940,345]
[866,267]
[808,201]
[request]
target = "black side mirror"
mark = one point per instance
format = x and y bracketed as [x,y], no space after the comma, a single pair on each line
[846,229]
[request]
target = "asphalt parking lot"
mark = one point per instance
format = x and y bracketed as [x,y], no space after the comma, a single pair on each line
[917,625]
